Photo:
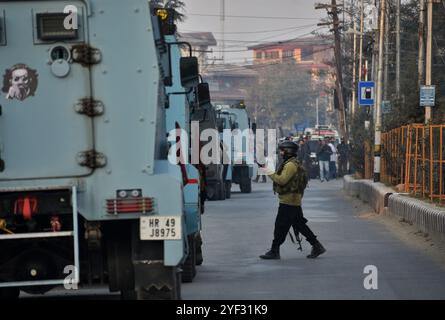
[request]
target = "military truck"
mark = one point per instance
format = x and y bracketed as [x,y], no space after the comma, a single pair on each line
[244,167]
[226,121]
[178,117]
[87,193]
[205,114]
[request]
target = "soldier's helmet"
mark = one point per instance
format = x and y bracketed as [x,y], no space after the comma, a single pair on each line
[288,147]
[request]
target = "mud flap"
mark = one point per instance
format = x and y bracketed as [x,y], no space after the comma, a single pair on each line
[157,282]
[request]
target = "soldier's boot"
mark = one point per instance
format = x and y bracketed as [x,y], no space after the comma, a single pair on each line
[271,255]
[317,249]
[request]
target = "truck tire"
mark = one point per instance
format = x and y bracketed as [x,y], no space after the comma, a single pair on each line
[199,257]
[246,187]
[222,191]
[128,295]
[212,192]
[228,189]
[189,266]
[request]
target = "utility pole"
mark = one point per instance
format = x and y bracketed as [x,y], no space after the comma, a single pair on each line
[421,62]
[338,63]
[378,106]
[339,77]
[429,56]
[398,48]
[360,63]
[386,67]
[223,28]
[316,109]
[354,59]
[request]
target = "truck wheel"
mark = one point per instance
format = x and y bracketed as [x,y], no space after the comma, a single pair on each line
[228,189]
[222,191]
[9,293]
[199,257]
[128,295]
[212,192]
[246,187]
[189,266]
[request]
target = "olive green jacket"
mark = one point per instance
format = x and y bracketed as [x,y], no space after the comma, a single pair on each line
[289,171]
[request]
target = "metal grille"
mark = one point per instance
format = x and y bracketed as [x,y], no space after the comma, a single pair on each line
[414,156]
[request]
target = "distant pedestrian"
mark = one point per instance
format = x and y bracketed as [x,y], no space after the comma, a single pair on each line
[343,157]
[333,159]
[324,157]
[263,177]
[307,160]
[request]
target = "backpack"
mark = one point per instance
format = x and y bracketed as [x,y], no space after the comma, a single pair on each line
[298,184]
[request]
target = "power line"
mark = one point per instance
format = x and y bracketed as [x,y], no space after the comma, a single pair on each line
[270,38]
[255,32]
[262,65]
[250,17]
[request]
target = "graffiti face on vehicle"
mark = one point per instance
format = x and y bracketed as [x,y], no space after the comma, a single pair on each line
[19,82]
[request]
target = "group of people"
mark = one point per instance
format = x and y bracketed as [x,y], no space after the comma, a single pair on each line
[333,160]
[329,156]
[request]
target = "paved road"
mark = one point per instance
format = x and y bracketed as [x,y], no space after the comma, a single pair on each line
[238,230]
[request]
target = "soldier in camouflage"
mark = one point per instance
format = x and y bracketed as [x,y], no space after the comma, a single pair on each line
[290,180]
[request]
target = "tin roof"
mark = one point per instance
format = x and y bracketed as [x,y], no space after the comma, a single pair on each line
[199,39]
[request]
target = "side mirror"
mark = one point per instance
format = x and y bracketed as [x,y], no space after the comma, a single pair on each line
[189,72]
[203,94]
[235,126]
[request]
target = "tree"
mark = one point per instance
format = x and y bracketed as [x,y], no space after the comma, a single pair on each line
[178,5]
[407,110]
[285,95]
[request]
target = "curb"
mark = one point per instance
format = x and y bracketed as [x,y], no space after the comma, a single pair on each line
[375,194]
[427,217]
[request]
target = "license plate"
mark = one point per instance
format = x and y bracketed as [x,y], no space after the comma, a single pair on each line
[160,228]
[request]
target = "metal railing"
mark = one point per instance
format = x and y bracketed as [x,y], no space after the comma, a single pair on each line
[414,156]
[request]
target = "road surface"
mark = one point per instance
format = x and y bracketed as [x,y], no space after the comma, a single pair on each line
[238,230]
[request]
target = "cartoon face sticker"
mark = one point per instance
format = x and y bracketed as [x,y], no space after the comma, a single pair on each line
[19,82]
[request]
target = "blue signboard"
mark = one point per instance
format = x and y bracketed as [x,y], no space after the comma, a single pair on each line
[366,93]
[427,96]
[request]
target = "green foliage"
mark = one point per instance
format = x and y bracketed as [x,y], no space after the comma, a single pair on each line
[360,136]
[406,110]
[284,96]
[178,5]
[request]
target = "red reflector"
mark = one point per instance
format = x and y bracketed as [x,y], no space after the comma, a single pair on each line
[26,206]
[130,205]
[192,181]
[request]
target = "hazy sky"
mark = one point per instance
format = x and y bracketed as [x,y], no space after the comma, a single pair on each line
[295,18]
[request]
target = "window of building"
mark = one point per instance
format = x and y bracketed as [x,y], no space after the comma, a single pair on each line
[288,53]
[259,54]
[307,53]
[272,55]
